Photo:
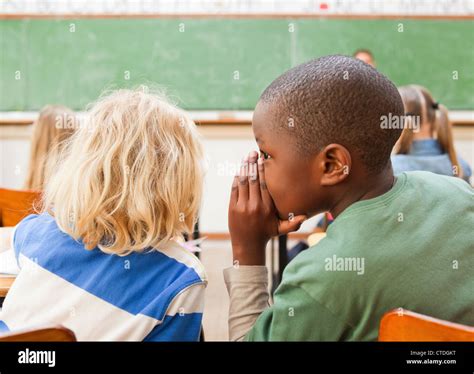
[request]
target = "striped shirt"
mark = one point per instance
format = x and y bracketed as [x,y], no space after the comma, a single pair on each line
[156,295]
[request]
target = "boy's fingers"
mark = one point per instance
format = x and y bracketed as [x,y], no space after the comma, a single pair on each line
[285,227]
[254,187]
[263,185]
[234,192]
[243,180]
[252,157]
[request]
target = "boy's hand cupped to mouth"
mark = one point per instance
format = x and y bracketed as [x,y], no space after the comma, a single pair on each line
[253,218]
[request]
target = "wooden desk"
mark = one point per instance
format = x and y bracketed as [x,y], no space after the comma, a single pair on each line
[5,284]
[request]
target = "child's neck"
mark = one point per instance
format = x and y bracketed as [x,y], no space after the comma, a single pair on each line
[379,185]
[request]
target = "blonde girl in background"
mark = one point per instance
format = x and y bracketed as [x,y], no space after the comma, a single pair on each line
[102,259]
[428,145]
[54,125]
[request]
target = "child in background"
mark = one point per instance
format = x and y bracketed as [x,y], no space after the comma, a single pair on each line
[365,55]
[54,125]
[402,241]
[102,259]
[428,145]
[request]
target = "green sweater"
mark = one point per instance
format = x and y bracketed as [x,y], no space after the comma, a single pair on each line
[411,247]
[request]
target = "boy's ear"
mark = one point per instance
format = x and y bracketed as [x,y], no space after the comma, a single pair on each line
[335,164]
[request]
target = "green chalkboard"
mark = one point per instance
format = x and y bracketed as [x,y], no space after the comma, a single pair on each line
[218,63]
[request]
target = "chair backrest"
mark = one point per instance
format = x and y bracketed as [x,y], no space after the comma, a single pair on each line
[16,205]
[5,285]
[402,325]
[41,334]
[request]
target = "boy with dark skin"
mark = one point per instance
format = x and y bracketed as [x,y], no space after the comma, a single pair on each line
[322,149]
[336,180]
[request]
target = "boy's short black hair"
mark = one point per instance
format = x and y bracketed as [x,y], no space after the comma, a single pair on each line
[337,99]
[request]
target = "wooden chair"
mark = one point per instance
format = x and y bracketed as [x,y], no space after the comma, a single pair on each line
[400,325]
[16,205]
[42,334]
[5,285]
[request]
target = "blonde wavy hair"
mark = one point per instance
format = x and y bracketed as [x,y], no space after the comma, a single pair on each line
[419,102]
[131,177]
[55,123]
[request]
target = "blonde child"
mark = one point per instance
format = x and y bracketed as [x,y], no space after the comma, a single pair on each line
[427,144]
[54,125]
[102,258]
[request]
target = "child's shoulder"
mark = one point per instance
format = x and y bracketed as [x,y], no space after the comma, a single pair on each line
[437,183]
[39,235]
[32,227]
[183,257]
[36,218]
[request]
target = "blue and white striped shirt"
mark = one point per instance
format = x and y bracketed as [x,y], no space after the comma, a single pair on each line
[156,295]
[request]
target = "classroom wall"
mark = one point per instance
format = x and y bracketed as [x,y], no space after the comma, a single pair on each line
[225,146]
